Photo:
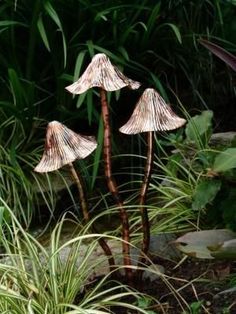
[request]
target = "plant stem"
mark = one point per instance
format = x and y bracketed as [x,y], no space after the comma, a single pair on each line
[112,186]
[143,194]
[82,198]
[84,207]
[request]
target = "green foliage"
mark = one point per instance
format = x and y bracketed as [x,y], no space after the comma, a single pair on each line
[205,193]
[36,278]
[199,129]
[198,176]
[224,206]
[47,44]
[225,161]
[20,187]
[195,308]
[145,302]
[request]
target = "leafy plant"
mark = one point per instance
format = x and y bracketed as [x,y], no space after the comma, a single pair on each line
[197,177]
[43,48]
[195,308]
[145,302]
[55,279]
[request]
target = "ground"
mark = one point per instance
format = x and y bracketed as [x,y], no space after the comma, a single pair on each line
[199,284]
[194,287]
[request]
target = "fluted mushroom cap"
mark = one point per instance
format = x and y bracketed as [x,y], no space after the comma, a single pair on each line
[63,146]
[152,114]
[101,73]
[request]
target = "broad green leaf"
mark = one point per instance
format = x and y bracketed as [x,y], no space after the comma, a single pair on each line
[225,160]
[205,193]
[198,126]
[42,32]
[201,244]
[196,307]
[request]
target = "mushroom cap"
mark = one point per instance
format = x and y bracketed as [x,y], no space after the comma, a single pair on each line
[101,73]
[63,146]
[151,114]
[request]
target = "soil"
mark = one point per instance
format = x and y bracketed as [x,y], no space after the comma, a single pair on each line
[198,284]
[194,287]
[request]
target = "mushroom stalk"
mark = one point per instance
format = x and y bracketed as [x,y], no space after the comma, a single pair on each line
[82,198]
[143,194]
[112,186]
[83,204]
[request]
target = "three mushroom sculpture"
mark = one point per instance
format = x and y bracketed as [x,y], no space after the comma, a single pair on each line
[150,114]
[62,147]
[102,74]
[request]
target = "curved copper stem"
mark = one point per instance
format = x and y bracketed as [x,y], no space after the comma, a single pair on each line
[84,208]
[143,194]
[112,186]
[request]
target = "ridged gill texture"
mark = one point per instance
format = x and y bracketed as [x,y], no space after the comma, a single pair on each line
[63,146]
[152,114]
[101,73]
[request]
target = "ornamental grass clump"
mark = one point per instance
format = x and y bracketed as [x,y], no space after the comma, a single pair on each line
[56,277]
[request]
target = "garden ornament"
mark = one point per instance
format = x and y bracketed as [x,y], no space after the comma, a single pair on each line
[102,74]
[150,114]
[62,147]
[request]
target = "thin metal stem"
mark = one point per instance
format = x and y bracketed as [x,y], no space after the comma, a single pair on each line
[112,186]
[143,195]
[85,212]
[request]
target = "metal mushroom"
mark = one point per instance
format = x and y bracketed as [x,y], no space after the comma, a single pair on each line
[102,74]
[62,147]
[150,114]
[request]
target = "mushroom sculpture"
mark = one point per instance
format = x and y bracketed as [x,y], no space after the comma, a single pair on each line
[150,114]
[102,74]
[62,147]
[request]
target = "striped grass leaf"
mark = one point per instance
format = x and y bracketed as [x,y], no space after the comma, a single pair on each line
[43,280]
